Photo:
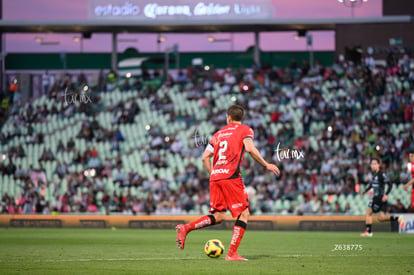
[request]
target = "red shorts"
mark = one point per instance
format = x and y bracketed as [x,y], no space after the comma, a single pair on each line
[228,194]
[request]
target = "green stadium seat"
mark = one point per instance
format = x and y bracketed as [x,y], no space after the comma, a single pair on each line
[278,206]
[286,204]
[63,186]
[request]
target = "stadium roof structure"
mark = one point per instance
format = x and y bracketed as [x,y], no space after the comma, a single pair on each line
[195,26]
[116,26]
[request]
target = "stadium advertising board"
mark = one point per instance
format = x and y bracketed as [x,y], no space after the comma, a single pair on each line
[301,223]
[36,223]
[153,224]
[186,10]
[93,223]
[407,224]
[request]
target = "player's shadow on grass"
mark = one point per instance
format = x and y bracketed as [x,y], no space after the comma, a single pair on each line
[272,256]
[255,257]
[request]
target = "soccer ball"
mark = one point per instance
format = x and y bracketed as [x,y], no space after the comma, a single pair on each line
[214,248]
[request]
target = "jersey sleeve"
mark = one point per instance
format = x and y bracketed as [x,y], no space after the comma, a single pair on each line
[210,148]
[369,186]
[385,178]
[387,182]
[248,133]
[212,141]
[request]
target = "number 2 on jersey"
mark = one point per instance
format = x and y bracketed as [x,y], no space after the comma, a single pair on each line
[223,148]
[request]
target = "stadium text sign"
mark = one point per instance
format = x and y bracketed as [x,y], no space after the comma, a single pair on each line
[181,9]
[407,224]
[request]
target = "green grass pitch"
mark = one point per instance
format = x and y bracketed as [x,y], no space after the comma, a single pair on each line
[127,251]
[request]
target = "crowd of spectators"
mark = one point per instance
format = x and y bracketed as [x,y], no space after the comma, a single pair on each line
[338,167]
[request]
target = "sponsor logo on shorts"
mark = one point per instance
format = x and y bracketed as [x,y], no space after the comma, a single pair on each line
[220,171]
[237,205]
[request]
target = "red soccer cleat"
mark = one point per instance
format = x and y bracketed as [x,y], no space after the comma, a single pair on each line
[235,257]
[181,235]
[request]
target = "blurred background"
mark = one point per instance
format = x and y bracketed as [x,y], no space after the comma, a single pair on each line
[107,106]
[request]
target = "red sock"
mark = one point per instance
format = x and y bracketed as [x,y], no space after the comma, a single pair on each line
[202,222]
[238,232]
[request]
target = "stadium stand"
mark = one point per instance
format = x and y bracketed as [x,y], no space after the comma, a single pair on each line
[135,147]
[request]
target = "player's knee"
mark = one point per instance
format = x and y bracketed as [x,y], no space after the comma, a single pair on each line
[245,214]
[220,216]
[383,218]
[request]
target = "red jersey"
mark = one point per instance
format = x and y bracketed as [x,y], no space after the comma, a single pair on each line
[411,169]
[229,150]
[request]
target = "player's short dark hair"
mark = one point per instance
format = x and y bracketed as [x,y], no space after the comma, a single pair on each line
[411,150]
[377,160]
[236,112]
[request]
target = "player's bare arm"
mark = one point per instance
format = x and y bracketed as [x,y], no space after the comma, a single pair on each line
[252,150]
[206,158]
[408,184]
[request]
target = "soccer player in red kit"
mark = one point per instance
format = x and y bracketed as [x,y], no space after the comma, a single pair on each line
[227,190]
[410,166]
